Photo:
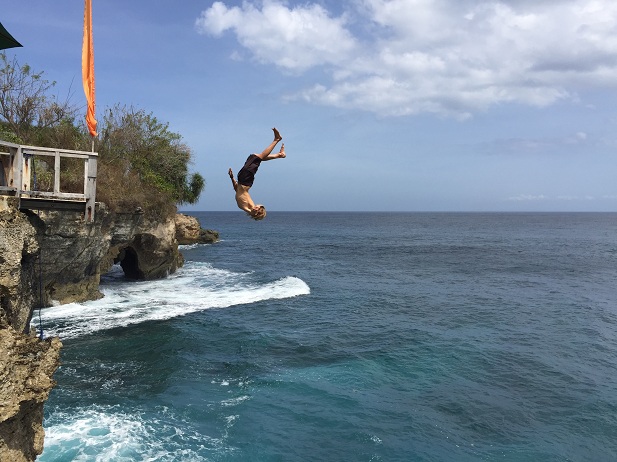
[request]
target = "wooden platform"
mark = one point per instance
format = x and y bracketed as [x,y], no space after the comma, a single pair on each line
[18,178]
[31,203]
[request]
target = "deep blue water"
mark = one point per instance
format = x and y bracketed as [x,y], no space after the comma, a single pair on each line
[352,337]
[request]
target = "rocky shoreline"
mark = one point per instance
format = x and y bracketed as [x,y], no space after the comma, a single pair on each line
[54,257]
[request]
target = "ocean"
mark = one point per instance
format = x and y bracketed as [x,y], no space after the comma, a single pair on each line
[351,337]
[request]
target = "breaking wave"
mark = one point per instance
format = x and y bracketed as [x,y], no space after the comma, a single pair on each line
[195,287]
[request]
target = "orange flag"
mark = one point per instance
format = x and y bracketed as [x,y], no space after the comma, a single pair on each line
[87,67]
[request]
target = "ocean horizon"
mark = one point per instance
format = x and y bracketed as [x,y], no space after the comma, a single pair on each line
[351,336]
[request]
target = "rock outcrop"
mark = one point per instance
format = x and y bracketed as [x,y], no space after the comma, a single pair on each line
[27,364]
[189,231]
[73,254]
[54,257]
[19,249]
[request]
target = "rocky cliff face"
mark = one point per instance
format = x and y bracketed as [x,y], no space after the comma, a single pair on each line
[27,364]
[74,254]
[54,257]
[19,249]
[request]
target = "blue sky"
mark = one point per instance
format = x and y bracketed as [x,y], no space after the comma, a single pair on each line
[399,105]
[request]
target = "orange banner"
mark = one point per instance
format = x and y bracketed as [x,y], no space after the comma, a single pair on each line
[87,67]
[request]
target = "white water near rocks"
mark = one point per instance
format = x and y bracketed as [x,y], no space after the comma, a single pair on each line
[195,287]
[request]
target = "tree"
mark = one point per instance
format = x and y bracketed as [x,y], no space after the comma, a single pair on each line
[25,103]
[194,189]
[138,145]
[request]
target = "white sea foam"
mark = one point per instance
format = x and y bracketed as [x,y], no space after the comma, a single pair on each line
[190,246]
[235,401]
[103,433]
[196,287]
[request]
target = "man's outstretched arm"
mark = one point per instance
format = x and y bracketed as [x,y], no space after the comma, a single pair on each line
[234,183]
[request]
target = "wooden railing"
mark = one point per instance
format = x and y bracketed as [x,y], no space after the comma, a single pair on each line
[19,177]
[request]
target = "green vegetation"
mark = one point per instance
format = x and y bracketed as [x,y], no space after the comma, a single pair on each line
[141,162]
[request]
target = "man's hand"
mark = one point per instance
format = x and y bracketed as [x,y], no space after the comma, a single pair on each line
[234,183]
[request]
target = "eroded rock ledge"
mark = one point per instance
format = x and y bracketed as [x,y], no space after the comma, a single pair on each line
[73,255]
[189,231]
[54,257]
[27,365]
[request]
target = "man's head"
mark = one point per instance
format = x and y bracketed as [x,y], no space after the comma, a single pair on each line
[258,212]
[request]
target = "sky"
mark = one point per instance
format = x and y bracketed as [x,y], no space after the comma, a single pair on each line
[383,105]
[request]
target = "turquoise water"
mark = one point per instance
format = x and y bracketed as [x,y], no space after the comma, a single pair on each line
[350,337]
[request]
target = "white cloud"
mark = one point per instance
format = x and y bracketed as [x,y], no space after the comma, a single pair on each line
[576,198]
[449,57]
[528,197]
[578,141]
[295,38]
[542,197]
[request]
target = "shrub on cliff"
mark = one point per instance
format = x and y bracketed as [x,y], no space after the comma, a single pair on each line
[141,162]
[134,145]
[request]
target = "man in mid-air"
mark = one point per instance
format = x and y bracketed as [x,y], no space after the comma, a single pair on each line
[246,176]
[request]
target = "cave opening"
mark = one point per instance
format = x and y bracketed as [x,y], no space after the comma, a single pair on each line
[129,262]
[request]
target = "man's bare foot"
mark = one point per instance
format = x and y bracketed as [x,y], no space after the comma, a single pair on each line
[231,174]
[282,151]
[277,135]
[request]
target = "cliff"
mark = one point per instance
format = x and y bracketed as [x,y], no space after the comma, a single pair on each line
[27,364]
[54,257]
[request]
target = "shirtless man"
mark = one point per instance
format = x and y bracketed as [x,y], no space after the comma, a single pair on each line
[246,176]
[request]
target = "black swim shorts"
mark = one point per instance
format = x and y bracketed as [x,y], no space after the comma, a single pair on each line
[246,175]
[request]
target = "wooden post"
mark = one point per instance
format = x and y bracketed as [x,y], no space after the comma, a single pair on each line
[10,168]
[16,169]
[4,176]
[26,173]
[90,187]
[57,172]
